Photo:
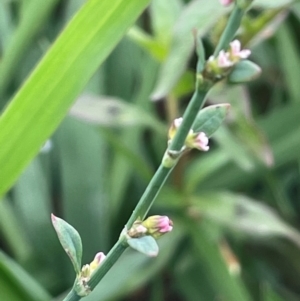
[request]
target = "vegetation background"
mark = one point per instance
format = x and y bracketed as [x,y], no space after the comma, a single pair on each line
[242,196]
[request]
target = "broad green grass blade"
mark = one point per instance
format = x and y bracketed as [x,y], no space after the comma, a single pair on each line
[17,285]
[46,96]
[11,232]
[205,251]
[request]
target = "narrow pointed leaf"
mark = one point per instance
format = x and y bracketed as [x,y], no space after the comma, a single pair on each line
[113,112]
[242,214]
[146,245]
[70,241]
[210,119]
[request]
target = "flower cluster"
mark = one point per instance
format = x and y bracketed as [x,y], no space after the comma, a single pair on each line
[193,140]
[88,269]
[227,59]
[154,226]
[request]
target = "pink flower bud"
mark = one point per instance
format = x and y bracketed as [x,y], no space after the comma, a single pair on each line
[157,225]
[97,261]
[88,269]
[226,2]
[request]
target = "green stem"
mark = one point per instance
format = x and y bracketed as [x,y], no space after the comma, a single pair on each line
[109,261]
[195,104]
[149,195]
[229,32]
[162,173]
[72,296]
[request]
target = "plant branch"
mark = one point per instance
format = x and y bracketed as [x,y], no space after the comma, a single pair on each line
[230,30]
[196,103]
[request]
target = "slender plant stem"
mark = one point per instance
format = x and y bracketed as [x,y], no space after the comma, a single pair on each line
[162,173]
[232,26]
[109,261]
[72,296]
[195,104]
[149,195]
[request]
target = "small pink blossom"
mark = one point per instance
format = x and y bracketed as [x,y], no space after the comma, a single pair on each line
[224,60]
[201,142]
[236,52]
[226,2]
[198,141]
[164,224]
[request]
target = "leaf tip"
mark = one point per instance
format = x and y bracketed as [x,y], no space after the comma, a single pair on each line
[153,254]
[157,96]
[53,218]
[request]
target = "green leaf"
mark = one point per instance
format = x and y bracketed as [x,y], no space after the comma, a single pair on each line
[17,285]
[210,118]
[33,18]
[112,112]
[201,54]
[164,14]
[12,231]
[242,124]
[70,241]
[271,3]
[147,42]
[244,71]
[44,100]
[145,244]
[242,214]
[205,251]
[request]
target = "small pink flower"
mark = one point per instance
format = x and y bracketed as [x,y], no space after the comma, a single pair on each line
[198,141]
[157,225]
[165,224]
[236,52]
[224,60]
[201,142]
[226,2]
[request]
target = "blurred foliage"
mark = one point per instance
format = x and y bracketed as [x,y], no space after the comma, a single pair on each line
[236,208]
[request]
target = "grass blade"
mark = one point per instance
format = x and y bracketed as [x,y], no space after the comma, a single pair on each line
[43,101]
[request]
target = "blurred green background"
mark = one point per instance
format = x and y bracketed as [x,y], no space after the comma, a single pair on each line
[236,209]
